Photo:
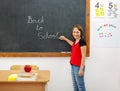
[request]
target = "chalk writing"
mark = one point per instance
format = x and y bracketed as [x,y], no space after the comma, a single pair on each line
[32,20]
[47,35]
[41,33]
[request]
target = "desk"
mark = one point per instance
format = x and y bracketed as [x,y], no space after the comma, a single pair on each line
[38,85]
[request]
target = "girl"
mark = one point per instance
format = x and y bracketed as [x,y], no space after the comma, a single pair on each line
[77,60]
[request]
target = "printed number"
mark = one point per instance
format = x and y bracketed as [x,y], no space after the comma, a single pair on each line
[97,5]
[110,5]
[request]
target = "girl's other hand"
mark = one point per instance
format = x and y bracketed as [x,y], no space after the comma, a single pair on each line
[80,73]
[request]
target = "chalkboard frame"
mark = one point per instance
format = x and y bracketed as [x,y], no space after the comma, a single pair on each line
[55,54]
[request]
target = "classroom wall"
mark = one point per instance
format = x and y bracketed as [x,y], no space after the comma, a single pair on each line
[102,68]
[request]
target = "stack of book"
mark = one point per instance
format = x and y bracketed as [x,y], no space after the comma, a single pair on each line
[27,76]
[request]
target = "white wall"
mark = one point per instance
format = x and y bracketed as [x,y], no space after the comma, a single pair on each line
[103,65]
[102,68]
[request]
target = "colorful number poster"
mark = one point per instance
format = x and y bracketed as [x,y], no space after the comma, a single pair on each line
[105,9]
[105,22]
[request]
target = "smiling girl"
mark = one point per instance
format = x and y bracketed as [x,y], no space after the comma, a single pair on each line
[77,60]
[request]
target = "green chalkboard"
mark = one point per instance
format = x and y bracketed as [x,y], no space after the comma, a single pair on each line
[35,25]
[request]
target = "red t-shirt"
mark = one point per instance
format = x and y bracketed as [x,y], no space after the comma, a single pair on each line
[76,53]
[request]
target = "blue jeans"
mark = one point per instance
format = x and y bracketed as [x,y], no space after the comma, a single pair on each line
[78,82]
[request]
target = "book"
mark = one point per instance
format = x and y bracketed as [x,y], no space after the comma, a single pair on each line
[27,76]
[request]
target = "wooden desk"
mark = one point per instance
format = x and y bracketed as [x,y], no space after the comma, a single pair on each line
[38,85]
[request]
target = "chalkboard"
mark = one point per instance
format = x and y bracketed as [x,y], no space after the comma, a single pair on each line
[28,26]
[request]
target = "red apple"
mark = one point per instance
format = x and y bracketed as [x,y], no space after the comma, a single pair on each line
[27,68]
